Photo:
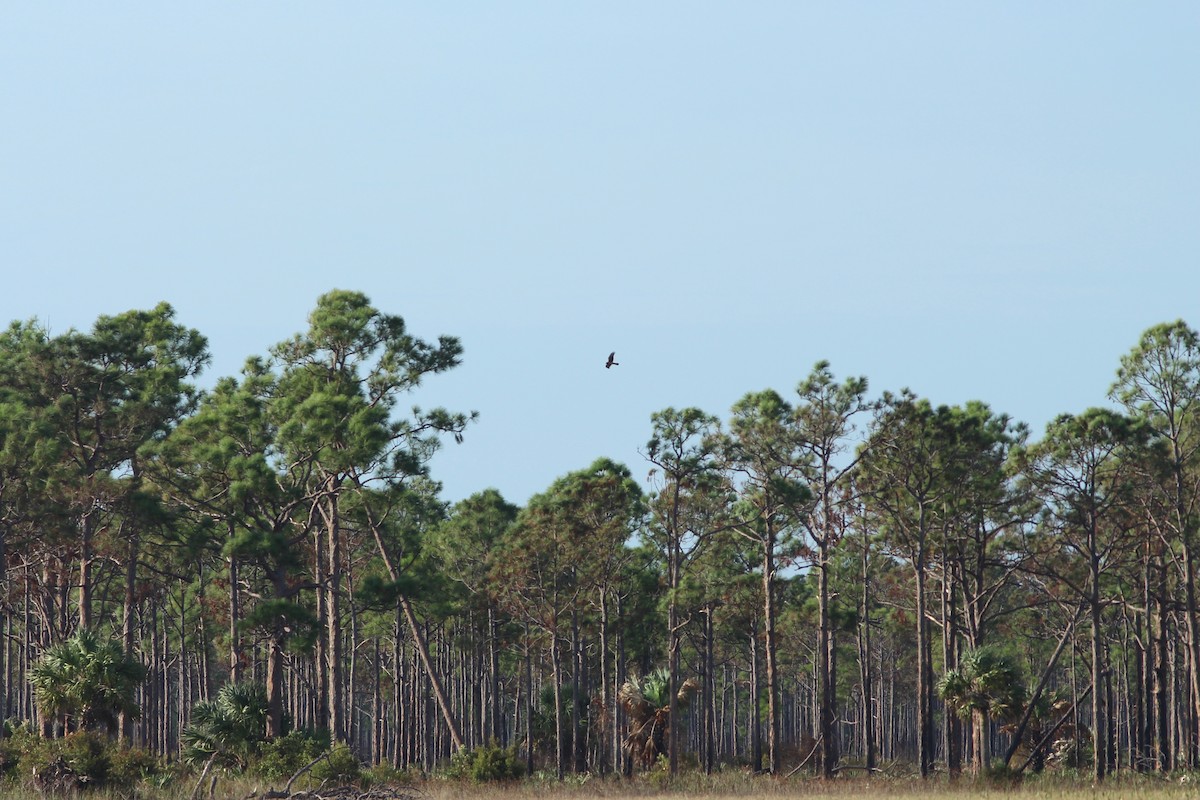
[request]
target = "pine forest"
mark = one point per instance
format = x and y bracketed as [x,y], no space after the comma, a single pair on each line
[822,582]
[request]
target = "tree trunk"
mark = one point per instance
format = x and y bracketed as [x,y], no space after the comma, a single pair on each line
[869,733]
[579,675]
[498,730]
[924,678]
[529,704]
[435,682]
[952,730]
[826,678]
[559,743]
[235,618]
[672,680]
[125,723]
[1099,712]
[981,740]
[322,654]
[336,720]
[419,640]
[755,720]
[86,534]
[602,743]
[709,692]
[774,732]
[1193,651]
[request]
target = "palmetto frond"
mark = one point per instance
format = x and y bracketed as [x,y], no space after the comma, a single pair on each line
[646,699]
[89,677]
[985,680]
[229,727]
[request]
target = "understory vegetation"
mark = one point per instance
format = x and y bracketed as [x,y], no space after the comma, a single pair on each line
[258,587]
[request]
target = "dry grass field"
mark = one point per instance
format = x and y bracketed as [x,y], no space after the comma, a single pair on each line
[725,787]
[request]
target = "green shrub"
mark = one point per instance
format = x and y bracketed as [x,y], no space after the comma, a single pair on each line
[486,763]
[385,775]
[75,762]
[281,758]
[340,766]
[130,766]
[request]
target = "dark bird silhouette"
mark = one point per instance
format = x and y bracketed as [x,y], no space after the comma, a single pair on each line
[612,363]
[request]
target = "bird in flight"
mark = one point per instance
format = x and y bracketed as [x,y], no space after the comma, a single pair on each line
[611,362]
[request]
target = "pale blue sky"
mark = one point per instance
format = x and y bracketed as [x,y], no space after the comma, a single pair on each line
[978,201]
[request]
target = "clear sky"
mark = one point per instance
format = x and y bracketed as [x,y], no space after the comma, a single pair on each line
[977,201]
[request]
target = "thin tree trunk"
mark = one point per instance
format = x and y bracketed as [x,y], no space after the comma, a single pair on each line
[333,620]
[774,731]
[952,729]
[125,723]
[865,661]
[755,721]
[235,618]
[602,762]
[1099,712]
[1166,762]
[826,678]
[321,654]
[86,534]
[498,729]
[559,744]
[924,675]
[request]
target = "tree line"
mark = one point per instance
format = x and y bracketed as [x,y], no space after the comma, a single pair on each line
[826,580]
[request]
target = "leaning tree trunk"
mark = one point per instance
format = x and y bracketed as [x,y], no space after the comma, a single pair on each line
[419,641]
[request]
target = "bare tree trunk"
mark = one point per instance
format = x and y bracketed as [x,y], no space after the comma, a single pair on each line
[336,719]
[1193,651]
[709,692]
[826,678]
[321,654]
[578,676]
[1166,761]
[865,660]
[86,534]
[774,732]
[924,678]
[125,723]
[235,618]
[559,744]
[672,678]
[605,701]
[952,728]
[529,701]
[1099,712]
[399,720]
[755,721]
[419,640]
[1149,754]
[498,729]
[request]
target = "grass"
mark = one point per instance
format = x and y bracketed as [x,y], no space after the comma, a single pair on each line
[737,786]
[727,786]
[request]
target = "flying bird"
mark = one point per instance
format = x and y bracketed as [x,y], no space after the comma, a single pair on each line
[611,362]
